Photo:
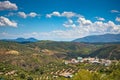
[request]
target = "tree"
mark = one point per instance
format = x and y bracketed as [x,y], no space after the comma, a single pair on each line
[29,78]
[22,76]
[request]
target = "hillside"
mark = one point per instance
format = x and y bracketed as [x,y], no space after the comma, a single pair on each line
[62,50]
[23,56]
[31,61]
[30,55]
[68,49]
[75,49]
[108,52]
[9,45]
[106,38]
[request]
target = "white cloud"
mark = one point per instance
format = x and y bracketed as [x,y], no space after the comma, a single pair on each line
[7,5]
[83,28]
[55,13]
[68,14]
[76,28]
[32,14]
[100,18]
[117,19]
[64,14]
[69,23]
[82,21]
[6,22]
[97,27]
[48,15]
[24,15]
[115,11]
[6,35]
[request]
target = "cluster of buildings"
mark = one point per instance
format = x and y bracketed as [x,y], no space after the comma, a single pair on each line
[95,60]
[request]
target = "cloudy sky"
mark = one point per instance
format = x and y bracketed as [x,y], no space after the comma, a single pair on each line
[58,19]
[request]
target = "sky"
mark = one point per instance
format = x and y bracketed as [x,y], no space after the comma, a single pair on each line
[58,20]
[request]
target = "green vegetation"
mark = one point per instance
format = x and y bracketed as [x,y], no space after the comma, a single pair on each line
[69,49]
[109,52]
[45,60]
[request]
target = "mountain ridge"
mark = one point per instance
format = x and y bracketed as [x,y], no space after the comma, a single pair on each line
[105,38]
[20,39]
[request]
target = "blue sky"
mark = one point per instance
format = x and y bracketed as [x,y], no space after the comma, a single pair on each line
[59,20]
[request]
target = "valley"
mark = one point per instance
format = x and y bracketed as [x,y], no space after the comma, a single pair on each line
[51,60]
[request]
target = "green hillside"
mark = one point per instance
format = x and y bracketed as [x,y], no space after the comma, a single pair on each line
[70,49]
[23,56]
[44,59]
[109,52]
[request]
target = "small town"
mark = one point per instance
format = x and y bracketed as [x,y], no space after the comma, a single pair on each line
[105,62]
[79,60]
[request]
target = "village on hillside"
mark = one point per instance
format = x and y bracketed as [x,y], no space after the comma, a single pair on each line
[89,60]
[105,62]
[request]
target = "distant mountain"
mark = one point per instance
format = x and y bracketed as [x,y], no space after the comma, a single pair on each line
[22,40]
[99,38]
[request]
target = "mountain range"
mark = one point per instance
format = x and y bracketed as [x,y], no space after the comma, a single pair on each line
[22,40]
[106,38]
